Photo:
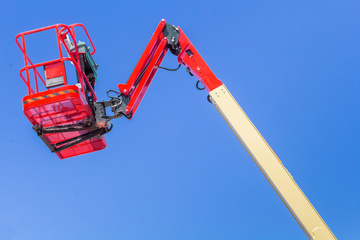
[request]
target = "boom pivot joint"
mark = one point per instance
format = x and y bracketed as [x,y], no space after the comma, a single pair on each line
[172,34]
[117,105]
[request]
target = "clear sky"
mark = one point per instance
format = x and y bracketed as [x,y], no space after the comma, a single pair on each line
[176,171]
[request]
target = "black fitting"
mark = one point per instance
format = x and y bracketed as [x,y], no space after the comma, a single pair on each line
[172,34]
[117,106]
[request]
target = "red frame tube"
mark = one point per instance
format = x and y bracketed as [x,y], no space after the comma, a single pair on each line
[61,31]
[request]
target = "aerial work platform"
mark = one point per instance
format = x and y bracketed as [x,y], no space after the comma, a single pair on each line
[63,114]
[70,120]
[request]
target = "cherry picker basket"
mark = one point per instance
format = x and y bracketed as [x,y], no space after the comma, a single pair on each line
[63,114]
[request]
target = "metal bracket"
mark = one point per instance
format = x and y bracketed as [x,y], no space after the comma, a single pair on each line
[82,138]
[95,132]
[172,34]
[117,106]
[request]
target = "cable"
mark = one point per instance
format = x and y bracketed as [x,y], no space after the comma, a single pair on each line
[169,69]
[197,86]
[118,94]
[209,99]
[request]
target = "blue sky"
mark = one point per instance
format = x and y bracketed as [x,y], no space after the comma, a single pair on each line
[176,171]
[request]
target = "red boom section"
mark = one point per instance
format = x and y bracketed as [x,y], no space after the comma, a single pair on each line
[53,102]
[192,60]
[145,70]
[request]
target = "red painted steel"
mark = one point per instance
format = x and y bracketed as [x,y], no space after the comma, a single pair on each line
[61,34]
[144,59]
[53,70]
[137,85]
[196,64]
[62,105]
[154,53]
[138,93]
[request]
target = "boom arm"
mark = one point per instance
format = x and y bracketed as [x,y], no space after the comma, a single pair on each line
[167,37]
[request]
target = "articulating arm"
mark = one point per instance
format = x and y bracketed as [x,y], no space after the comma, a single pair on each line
[166,37]
[126,101]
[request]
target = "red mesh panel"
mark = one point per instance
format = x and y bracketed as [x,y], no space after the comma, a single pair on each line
[61,106]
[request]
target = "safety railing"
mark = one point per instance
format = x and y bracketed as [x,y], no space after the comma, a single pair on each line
[62,31]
